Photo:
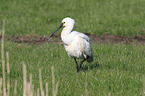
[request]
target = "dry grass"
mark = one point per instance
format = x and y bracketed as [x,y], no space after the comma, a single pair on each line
[1,86]
[143,80]
[8,74]
[55,88]
[15,90]
[86,89]
[28,88]
[24,80]
[46,89]
[109,94]
[3,60]
[38,92]
[40,80]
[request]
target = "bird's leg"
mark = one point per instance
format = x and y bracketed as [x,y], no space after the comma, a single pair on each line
[76,65]
[81,63]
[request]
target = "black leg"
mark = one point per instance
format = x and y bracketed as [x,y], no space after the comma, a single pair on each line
[81,64]
[76,65]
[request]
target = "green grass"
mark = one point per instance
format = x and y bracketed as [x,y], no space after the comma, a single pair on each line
[26,17]
[117,68]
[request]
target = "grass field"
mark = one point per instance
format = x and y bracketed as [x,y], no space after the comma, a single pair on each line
[117,70]
[43,17]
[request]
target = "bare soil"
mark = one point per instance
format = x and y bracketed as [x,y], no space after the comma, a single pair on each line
[106,38]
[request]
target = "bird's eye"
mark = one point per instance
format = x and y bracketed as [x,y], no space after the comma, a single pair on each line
[63,22]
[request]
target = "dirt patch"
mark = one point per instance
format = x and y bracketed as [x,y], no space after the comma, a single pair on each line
[106,38]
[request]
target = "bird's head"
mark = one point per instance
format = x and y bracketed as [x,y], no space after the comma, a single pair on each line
[65,22]
[68,21]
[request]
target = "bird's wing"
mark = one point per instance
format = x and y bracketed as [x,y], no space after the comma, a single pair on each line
[81,35]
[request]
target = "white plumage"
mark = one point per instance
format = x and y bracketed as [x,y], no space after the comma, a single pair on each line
[76,44]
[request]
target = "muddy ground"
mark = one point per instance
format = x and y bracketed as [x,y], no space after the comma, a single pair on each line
[106,38]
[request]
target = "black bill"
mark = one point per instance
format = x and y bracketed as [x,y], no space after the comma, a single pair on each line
[56,30]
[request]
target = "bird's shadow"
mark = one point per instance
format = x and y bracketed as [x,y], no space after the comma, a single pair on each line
[91,66]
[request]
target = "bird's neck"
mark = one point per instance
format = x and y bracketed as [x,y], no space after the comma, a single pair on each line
[66,33]
[67,30]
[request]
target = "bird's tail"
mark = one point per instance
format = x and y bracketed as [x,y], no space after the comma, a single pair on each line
[90,59]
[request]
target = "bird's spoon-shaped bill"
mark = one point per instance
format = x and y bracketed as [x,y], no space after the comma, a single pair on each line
[56,30]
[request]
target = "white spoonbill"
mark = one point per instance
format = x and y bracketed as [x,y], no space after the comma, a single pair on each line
[76,44]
